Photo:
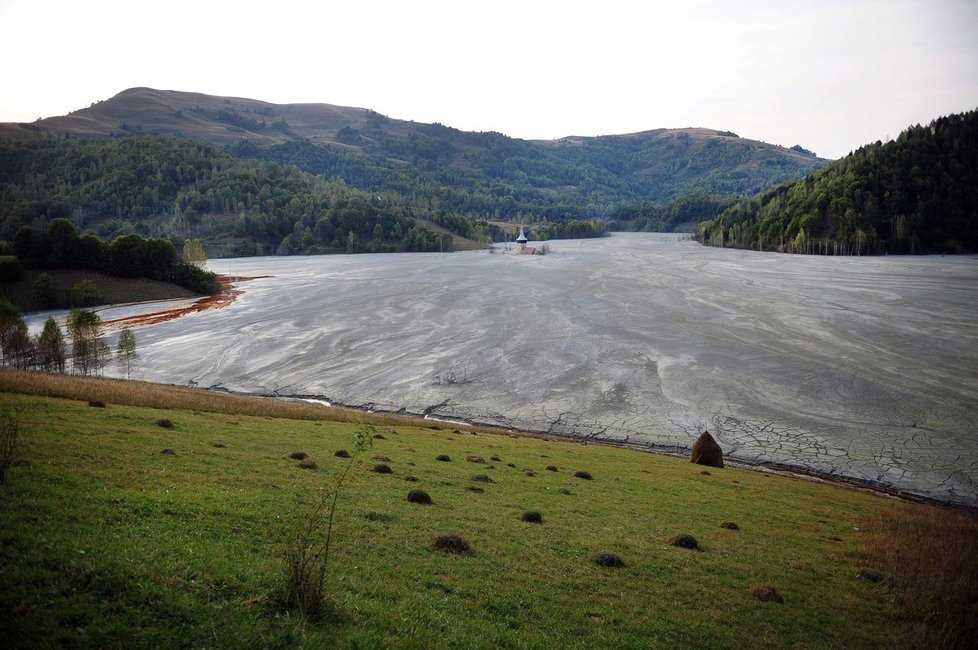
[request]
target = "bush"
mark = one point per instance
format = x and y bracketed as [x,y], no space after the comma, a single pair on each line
[475,459]
[382,458]
[552,468]
[706,451]
[48,293]
[9,430]
[10,269]
[419,496]
[97,403]
[481,478]
[164,423]
[341,453]
[86,294]
[443,458]
[298,455]
[583,475]
[532,517]
[608,559]
[381,468]
[450,543]
[729,525]
[684,540]
[308,463]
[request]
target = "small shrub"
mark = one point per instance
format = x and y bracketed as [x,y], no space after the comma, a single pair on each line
[381,468]
[298,455]
[164,423]
[219,445]
[382,458]
[529,472]
[307,555]
[766,593]
[379,436]
[308,463]
[341,453]
[510,464]
[96,403]
[411,479]
[684,540]
[532,517]
[582,474]
[443,458]
[481,478]
[168,452]
[496,459]
[450,543]
[706,451]
[9,431]
[475,488]
[564,491]
[373,515]
[552,468]
[705,473]
[476,459]
[420,497]
[608,559]
[729,525]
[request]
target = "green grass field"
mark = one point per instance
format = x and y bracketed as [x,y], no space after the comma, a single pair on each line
[105,541]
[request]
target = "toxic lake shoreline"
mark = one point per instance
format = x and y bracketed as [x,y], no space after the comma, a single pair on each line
[785,469]
[855,369]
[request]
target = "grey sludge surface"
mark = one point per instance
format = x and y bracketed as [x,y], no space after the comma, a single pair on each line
[860,367]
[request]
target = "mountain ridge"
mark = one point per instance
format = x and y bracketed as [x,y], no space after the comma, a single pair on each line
[310,120]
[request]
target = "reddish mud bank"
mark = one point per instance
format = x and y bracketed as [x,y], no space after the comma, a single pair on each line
[226,296]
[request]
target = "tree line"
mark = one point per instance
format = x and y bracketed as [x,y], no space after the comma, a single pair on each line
[49,350]
[128,256]
[915,194]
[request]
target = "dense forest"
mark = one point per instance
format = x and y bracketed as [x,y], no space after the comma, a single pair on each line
[388,172]
[174,188]
[916,194]
[488,176]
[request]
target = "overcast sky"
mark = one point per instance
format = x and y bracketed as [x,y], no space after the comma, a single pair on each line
[829,75]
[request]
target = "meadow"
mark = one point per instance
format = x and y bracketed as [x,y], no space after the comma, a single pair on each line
[167,525]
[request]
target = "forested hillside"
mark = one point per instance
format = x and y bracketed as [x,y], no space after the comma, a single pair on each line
[916,194]
[439,171]
[176,188]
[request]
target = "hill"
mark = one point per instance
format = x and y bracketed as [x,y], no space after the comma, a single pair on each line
[130,526]
[916,194]
[477,175]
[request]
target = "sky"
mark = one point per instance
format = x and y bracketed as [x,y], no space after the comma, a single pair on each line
[829,75]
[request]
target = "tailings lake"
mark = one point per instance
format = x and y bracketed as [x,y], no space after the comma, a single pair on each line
[862,367]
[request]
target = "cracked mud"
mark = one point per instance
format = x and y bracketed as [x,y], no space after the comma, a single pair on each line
[865,368]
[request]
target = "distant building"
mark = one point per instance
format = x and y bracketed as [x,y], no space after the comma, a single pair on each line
[523,248]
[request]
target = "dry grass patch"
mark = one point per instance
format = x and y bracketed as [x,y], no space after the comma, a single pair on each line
[928,556]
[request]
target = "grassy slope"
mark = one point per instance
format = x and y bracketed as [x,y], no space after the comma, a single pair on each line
[106,541]
[112,289]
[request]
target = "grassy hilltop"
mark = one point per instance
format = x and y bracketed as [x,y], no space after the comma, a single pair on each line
[106,541]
